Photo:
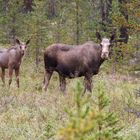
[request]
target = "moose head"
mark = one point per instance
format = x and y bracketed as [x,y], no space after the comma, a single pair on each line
[105,44]
[22,46]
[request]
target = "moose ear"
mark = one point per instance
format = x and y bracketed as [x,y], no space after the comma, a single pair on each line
[17,41]
[28,41]
[98,36]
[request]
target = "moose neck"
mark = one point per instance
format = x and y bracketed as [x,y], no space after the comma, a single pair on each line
[102,60]
[19,54]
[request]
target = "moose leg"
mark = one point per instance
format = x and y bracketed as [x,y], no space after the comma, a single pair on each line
[62,81]
[17,76]
[3,76]
[88,83]
[47,78]
[10,75]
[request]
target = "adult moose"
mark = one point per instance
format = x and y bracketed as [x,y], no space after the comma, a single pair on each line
[72,61]
[11,59]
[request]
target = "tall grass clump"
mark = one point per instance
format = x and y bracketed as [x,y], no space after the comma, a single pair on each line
[91,121]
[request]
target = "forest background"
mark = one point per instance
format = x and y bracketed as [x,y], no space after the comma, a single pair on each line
[30,113]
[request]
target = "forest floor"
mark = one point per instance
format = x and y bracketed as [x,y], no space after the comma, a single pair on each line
[31,113]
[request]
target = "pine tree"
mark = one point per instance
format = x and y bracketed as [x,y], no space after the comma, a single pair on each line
[91,122]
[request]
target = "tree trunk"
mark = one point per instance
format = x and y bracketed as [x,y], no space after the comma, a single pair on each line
[5,5]
[12,34]
[37,51]
[105,6]
[123,30]
[77,22]
[51,9]
[58,32]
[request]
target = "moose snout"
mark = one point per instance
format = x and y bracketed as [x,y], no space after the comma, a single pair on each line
[22,52]
[105,55]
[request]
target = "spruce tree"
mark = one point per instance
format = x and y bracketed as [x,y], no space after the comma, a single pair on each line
[91,122]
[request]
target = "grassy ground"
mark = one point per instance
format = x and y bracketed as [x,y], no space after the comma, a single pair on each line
[29,113]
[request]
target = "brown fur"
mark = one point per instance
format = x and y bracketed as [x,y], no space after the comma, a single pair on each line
[72,61]
[11,59]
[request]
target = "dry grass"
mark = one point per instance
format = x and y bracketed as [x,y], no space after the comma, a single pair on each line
[30,113]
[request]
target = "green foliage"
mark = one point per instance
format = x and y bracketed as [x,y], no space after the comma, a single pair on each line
[117,18]
[91,122]
[132,9]
[11,19]
[134,16]
[49,130]
[131,105]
